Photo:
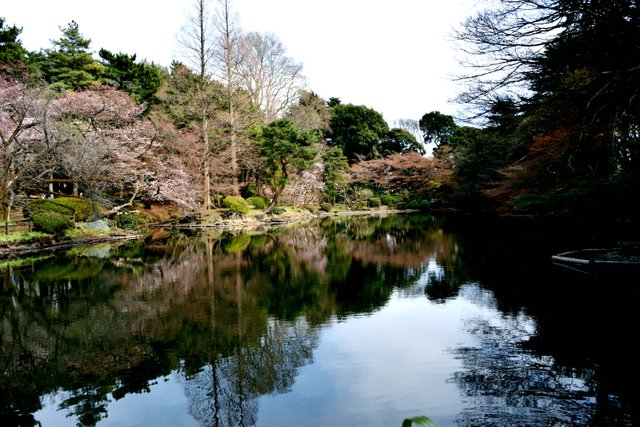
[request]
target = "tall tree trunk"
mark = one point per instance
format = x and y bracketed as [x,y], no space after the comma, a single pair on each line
[7,219]
[206,169]
[230,61]
[235,187]
[202,54]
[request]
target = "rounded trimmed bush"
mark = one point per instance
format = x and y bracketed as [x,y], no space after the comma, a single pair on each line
[375,202]
[257,202]
[236,204]
[81,208]
[50,222]
[419,204]
[325,206]
[129,220]
[388,199]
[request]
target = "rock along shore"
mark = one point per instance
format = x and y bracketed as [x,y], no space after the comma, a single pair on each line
[248,223]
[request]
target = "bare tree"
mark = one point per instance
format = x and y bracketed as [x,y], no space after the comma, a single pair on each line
[272,79]
[227,56]
[253,75]
[501,46]
[196,39]
[310,112]
[413,127]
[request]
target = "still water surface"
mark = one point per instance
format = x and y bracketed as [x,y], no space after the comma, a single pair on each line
[344,322]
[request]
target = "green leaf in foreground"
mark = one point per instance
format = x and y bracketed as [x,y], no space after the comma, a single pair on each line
[420,421]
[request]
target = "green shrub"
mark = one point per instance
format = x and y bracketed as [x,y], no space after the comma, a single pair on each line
[389,199]
[257,202]
[236,204]
[130,220]
[325,206]
[249,191]
[276,210]
[419,204]
[375,202]
[362,194]
[69,206]
[50,222]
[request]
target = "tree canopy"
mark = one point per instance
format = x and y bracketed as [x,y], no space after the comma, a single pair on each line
[11,50]
[358,130]
[399,141]
[566,73]
[70,64]
[285,147]
[139,79]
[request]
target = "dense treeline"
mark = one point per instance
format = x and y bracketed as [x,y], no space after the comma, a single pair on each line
[552,85]
[557,82]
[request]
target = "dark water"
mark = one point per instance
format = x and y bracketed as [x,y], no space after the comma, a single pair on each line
[347,322]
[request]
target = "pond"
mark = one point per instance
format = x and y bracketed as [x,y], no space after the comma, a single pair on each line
[362,321]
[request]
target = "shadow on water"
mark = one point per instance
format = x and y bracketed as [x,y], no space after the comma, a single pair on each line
[582,359]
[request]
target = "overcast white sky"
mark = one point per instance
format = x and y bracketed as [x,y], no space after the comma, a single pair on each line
[394,56]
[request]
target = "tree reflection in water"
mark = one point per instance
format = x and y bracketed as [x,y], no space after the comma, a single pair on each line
[235,316]
[226,391]
[506,386]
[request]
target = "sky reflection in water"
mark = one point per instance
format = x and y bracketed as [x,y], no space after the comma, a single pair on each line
[359,322]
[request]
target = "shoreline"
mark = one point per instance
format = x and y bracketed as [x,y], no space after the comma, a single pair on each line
[264,220]
[250,223]
[22,249]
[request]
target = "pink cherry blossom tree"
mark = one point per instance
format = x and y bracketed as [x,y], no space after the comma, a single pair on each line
[22,108]
[111,149]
